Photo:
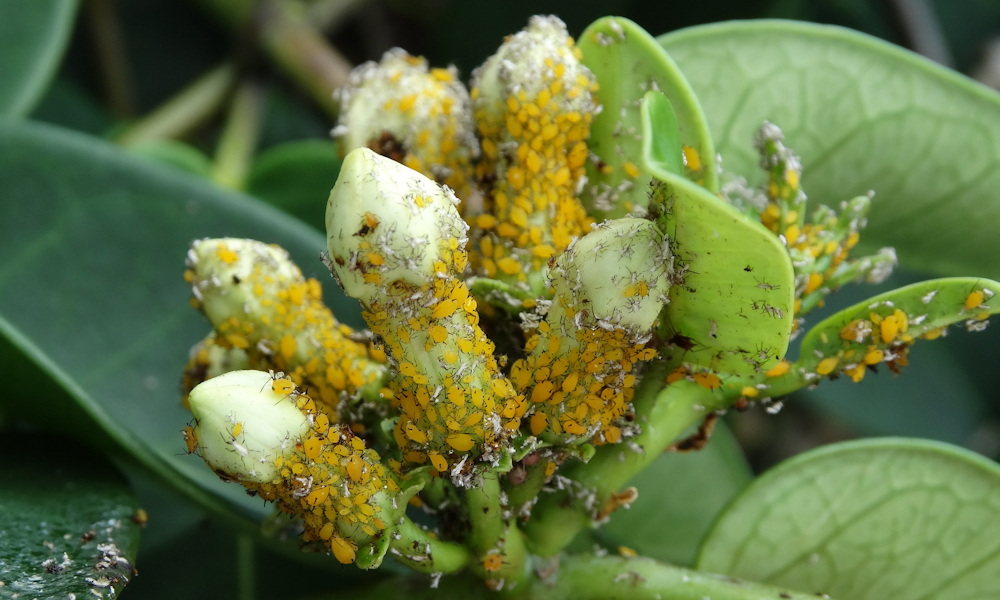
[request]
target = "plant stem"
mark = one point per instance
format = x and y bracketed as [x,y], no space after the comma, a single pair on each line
[419,550]
[485,514]
[245,581]
[109,45]
[606,577]
[587,577]
[663,414]
[238,141]
[292,42]
[185,111]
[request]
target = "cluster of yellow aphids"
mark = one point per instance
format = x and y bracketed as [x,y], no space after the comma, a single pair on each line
[407,246]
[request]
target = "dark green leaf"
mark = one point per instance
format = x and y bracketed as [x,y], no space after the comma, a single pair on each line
[679,498]
[176,154]
[33,36]
[91,290]
[872,519]
[863,115]
[297,177]
[69,523]
[628,62]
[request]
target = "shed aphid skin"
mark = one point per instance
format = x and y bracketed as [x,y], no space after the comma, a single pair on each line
[284,448]
[397,243]
[820,248]
[415,115]
[258,301]
[534,103]
[579,373]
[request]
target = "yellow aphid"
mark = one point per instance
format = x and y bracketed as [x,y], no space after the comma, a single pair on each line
[779,369]
[691,158]
[709,381]
[343,550]
[888,329]
[974,299]
[439,462]
[627,552]
[827,365]
[237,430]
[492,562]
[749,392]
[283,386]
[190,439]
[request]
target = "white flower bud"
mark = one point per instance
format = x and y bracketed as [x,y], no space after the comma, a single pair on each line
[243,425]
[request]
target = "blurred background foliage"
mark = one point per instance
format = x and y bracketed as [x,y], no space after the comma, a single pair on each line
[269,137]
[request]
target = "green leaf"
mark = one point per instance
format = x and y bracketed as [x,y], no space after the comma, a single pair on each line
[628,62]
[297,177]
[735,302]
[33,36]
[679,498]
[91,291]
[176,154]
[863,115]
[871,519]
[68,521]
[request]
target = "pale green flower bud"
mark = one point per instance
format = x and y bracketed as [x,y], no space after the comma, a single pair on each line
[397,244]
[610,287]
[534,104]
[243,425]
[418,116]
[258,301]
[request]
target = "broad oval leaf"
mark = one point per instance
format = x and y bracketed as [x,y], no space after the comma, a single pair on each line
[70,522]
[91,290]
[733,301]
[871,519]
[628,62]
[33,36]
[863,115]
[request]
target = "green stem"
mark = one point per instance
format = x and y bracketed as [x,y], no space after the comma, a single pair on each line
[291,41]
[600,578]
[185,111]
[592,577]
[112,55]
[245,581]
[417,549]
[238,141]
[492,537]
[663,414]
[485,514]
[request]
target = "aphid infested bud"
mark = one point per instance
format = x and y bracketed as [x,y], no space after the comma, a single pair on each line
[396,242]
[534,103]
[610,287]
[417,116]
[255,428]
[243,426]
[258,301]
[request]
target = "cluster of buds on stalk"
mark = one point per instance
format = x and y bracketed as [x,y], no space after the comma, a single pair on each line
[509,334]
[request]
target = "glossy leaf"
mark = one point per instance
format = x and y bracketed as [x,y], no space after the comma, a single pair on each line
[735,302]
[679,498]
[871,519]
[91,291]
[628,62]
[297,177]
[863,115]
[33,36]
[176,154]
[70,522]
